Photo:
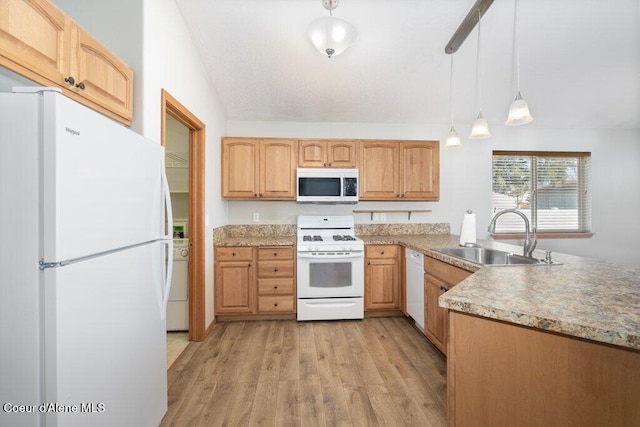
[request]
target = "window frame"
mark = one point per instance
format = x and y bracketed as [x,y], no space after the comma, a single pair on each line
[582,181]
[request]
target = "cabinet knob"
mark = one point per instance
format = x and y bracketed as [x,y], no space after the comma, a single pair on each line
[275,287]
[80,86]
[324,164]
[275,269]
[275,304]
[329,164]
[275,254]
[70,80]
[382,253]
[233,254]
[249,265]
[255,195]
[368,262]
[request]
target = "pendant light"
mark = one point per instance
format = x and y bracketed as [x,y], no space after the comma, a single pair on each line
[480,128]
[453,138]
[519,110]
[331,35]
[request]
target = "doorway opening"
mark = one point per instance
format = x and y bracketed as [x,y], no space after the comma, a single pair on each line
[190,154]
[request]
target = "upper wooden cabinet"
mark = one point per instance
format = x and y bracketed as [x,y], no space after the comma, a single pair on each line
[40,42]
[260,169]
[327,153]
[392,170]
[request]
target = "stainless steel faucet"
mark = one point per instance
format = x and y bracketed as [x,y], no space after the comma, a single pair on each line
[530,242]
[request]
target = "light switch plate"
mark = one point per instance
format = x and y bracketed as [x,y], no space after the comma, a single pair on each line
[256,217]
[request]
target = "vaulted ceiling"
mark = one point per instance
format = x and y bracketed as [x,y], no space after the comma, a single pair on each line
[580,61]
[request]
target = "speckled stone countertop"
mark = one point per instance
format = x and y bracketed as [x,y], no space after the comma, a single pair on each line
[580,297]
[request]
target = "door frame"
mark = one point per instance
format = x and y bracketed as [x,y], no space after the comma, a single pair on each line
[170,105]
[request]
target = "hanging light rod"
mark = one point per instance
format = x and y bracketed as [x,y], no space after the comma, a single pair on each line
[467,25]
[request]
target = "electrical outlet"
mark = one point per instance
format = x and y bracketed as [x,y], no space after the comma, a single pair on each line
[256,217]
[383,216]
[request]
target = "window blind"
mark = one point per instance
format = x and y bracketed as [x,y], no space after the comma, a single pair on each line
[553,189]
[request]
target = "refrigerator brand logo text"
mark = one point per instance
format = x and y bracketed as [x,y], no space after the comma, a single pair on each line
[72,131]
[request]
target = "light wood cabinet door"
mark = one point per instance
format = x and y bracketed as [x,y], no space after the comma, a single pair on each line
[240,168]
[235,287]
[277,166]
[327,153]
[40,42]
[436,318]
[382,277]
[33,36]
[100,76]
[342,154]
[420,170]
[312,154]
[379,176]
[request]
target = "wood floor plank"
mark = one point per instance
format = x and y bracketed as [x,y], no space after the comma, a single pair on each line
[289,365]
[311,403]
[287,404]
[377,371]
[360,409]
[336,410]
[263,410]
[271,362]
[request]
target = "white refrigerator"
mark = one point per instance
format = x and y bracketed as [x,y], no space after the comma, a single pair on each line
[85,267]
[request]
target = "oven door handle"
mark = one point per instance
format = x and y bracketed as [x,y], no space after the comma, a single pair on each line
[352,254]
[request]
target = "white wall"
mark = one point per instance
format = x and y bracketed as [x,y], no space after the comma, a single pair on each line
[465,178]
[170,61]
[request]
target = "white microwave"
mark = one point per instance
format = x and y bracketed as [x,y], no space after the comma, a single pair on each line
[326,185]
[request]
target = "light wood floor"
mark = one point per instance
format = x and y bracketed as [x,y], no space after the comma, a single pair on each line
[377,371]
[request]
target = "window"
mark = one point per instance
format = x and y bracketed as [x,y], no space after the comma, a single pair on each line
[553,189]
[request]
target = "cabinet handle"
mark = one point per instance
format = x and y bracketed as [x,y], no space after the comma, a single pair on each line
[70,80]
[398,195]
[324,164]
[275,304]
[233,254]
[275,287]
[255,195]
[329,164]
[249,265]
[275,269]
[382,253]
[368,262]
[80,85]
[275,254]
[402,195]
[260,195]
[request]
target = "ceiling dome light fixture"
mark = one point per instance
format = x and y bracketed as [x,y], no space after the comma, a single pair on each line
[480,128]
[453,138]
[519,110]
[331,35]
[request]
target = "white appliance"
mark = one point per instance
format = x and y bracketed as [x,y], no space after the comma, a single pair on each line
[415,286]
[85,262]
[326,185]
[178,307]
[330,268]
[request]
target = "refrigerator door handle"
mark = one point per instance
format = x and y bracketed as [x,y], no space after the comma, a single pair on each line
[167,279]
[168,226]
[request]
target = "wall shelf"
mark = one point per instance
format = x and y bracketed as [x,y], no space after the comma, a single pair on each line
[408,211]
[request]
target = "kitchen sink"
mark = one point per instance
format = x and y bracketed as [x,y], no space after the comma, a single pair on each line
[488,256]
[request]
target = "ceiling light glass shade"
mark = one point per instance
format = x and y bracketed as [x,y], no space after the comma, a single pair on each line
[453,139]
[518,112]
[480,128]
[331,35]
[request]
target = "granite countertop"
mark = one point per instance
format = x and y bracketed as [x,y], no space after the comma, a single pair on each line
[257,241]
[581,297]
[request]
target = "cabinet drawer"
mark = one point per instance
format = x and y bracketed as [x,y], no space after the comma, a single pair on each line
[447,272]
[275,253]
[275,269]
[275,304]
[275,286]
[381,251]
[234,253]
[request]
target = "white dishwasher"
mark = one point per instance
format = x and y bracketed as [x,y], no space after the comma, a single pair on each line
[415,286]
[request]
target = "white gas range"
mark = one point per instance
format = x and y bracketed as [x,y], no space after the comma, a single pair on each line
[330,265]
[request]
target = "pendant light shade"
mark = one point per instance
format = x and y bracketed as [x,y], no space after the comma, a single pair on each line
[519,110]
[331,35]
[453,138]
[480,128]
